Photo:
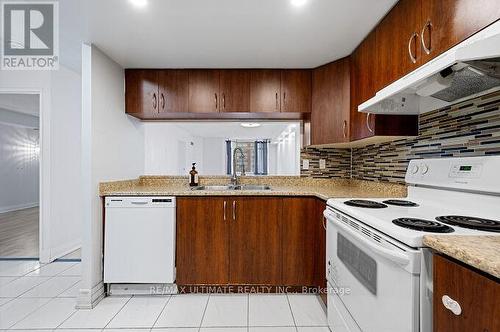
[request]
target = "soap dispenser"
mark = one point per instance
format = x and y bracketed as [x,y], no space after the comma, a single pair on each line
[193,176]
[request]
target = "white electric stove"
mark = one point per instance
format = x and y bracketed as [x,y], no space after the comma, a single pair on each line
[379,272]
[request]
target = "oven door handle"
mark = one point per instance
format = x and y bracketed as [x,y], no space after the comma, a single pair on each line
[391,255]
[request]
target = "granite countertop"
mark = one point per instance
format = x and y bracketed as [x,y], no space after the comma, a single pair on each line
[280,186]
[481,252]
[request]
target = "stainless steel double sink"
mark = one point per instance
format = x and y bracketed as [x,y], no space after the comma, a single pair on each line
[233,187]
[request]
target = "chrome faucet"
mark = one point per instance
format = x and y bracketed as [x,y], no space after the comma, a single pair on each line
[234,178]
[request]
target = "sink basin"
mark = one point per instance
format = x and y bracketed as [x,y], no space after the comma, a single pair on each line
[231,187]
[252,187]
[214,188]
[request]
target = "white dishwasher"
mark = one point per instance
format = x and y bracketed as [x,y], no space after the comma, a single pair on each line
[139,240]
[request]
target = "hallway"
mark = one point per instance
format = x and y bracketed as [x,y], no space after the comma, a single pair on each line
[19,233]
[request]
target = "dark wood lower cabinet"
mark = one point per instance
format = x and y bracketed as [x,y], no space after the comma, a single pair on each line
[255,241]
[202,255]
[270,241]
[477,295]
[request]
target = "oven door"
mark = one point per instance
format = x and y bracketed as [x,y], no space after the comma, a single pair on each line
[374,277]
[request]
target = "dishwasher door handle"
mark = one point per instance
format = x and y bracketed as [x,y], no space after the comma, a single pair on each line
[139,203]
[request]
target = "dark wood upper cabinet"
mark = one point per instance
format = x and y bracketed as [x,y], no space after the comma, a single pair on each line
[363,84]
[173,91]
[255,236]
[330,115]
[141,91]
[204,94]
[477,295]
[202,242]
[265,90]
[446,23]
[235,90]
[397,43]
[296,90]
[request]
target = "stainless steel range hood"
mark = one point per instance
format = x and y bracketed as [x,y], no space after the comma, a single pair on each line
[468,70]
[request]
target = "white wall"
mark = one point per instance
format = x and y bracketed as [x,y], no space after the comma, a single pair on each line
[19,167]
[214,156]
[113,149]
[60,162]
[288,154]
[170,150]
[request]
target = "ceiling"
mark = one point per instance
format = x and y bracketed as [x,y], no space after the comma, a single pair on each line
[218,33]
[20,103]
[234,130]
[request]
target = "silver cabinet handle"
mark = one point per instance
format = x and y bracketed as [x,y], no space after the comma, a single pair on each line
[344,127]
[162,101]
[451,305]
[224,101]
[413,58]
[216,102]
[370,129]
[225,204]
[155,101]
[234,210]
[276,100]
[427,25]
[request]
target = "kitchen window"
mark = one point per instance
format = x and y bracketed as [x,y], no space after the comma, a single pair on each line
[255,160]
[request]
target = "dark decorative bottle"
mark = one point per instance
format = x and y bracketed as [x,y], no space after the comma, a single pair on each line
[193,177]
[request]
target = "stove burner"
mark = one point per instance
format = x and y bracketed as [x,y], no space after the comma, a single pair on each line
[423,225]
[400,202]
[471,222]
[365,204]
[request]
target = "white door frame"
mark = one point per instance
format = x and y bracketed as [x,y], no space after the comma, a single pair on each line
[43,170]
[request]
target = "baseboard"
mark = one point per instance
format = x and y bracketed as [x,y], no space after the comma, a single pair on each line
[89,298]
[11,208]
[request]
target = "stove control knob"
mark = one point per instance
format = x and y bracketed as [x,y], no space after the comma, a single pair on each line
[424,169]
[414,169]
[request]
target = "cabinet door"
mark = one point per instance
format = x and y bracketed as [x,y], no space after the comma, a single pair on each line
[173,90]
[320,249]
[300,235]
[204,91]
[446,23]
[265,90]
[398,42]
[477,295]
[363,87]
[235,90]
[255,241]
[296,90]
[202,241]
[141,91]
[331,103]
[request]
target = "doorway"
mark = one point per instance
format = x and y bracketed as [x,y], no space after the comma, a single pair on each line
[20,165]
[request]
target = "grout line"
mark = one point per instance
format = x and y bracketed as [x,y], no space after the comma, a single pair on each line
[248,312]
[293,316]
[123,306]
[204,312]
[162,309]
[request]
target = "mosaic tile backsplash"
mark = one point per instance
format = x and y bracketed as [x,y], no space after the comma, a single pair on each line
[470,128]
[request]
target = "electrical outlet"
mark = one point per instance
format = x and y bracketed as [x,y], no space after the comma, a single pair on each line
[322,164]
[305,164]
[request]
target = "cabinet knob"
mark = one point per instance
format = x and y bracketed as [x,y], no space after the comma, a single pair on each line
[451,305]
